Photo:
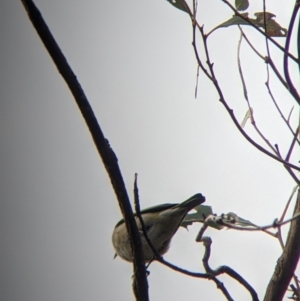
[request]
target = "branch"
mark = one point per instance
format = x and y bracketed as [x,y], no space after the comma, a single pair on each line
[261,31]
[105,151]
[270,63]
[160,259]
[288,261]
[287,167]
[225,269]
[298,37]
[279,111]
[292,89]
[250,44]
[229,110]
[275,224]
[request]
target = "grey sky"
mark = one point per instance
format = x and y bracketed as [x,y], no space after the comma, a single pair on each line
[136,64]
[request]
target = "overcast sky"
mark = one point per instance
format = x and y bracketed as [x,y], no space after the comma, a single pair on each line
[137,67]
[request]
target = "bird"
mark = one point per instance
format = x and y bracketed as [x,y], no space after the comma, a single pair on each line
[161,223]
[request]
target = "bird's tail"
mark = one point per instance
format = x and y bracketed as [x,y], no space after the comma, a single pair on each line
[192,202]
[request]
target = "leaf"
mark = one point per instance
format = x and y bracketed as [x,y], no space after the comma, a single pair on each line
[202,212]
[273,28]
[182,5]
[260,17]
[230,217]
[241,4]
[235,20]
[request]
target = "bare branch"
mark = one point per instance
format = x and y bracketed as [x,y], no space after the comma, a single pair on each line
[292,144]
[106,153]
[287,167]
[250,44]
[275,224]
[225,269]
[286,120]
[288,204]
[261,31]
[230,111]
[288,261]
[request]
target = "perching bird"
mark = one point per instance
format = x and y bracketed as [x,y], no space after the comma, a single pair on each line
[161,223]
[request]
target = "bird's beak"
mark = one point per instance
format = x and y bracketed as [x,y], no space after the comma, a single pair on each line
[115,255]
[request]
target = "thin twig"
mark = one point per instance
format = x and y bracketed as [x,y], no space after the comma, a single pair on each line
[288,204]
[213,78]
[292,144]
[230,111]
[266,59]
[269,62]
[202,230]
[200,64]
[156,254]
[287,167]
[286,120]
[250,44]
[261,31]
[275,224]
[197,82]
[225,269]
[253,122]
[266,30]
[233,274]
[290,114]
[241,72]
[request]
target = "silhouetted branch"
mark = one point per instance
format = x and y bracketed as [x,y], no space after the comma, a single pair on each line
[225,269]
[286,120]
[287,167]
[298,35]
[237,13]
[213,78]
[106,153]
[250,44]
[275,224]
[270,63]
[291,87]
[288,261]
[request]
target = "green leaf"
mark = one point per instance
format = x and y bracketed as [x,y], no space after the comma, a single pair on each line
[230,217]
[273,28]
[241,4]
[182,5]
[202,211]
[235,20]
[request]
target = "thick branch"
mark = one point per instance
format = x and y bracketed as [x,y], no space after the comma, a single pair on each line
[105,151]
[288,261]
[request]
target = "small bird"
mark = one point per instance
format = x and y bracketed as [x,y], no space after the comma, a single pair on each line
[161,223]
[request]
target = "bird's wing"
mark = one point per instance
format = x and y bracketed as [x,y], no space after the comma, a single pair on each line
[158,208]
[152,209]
